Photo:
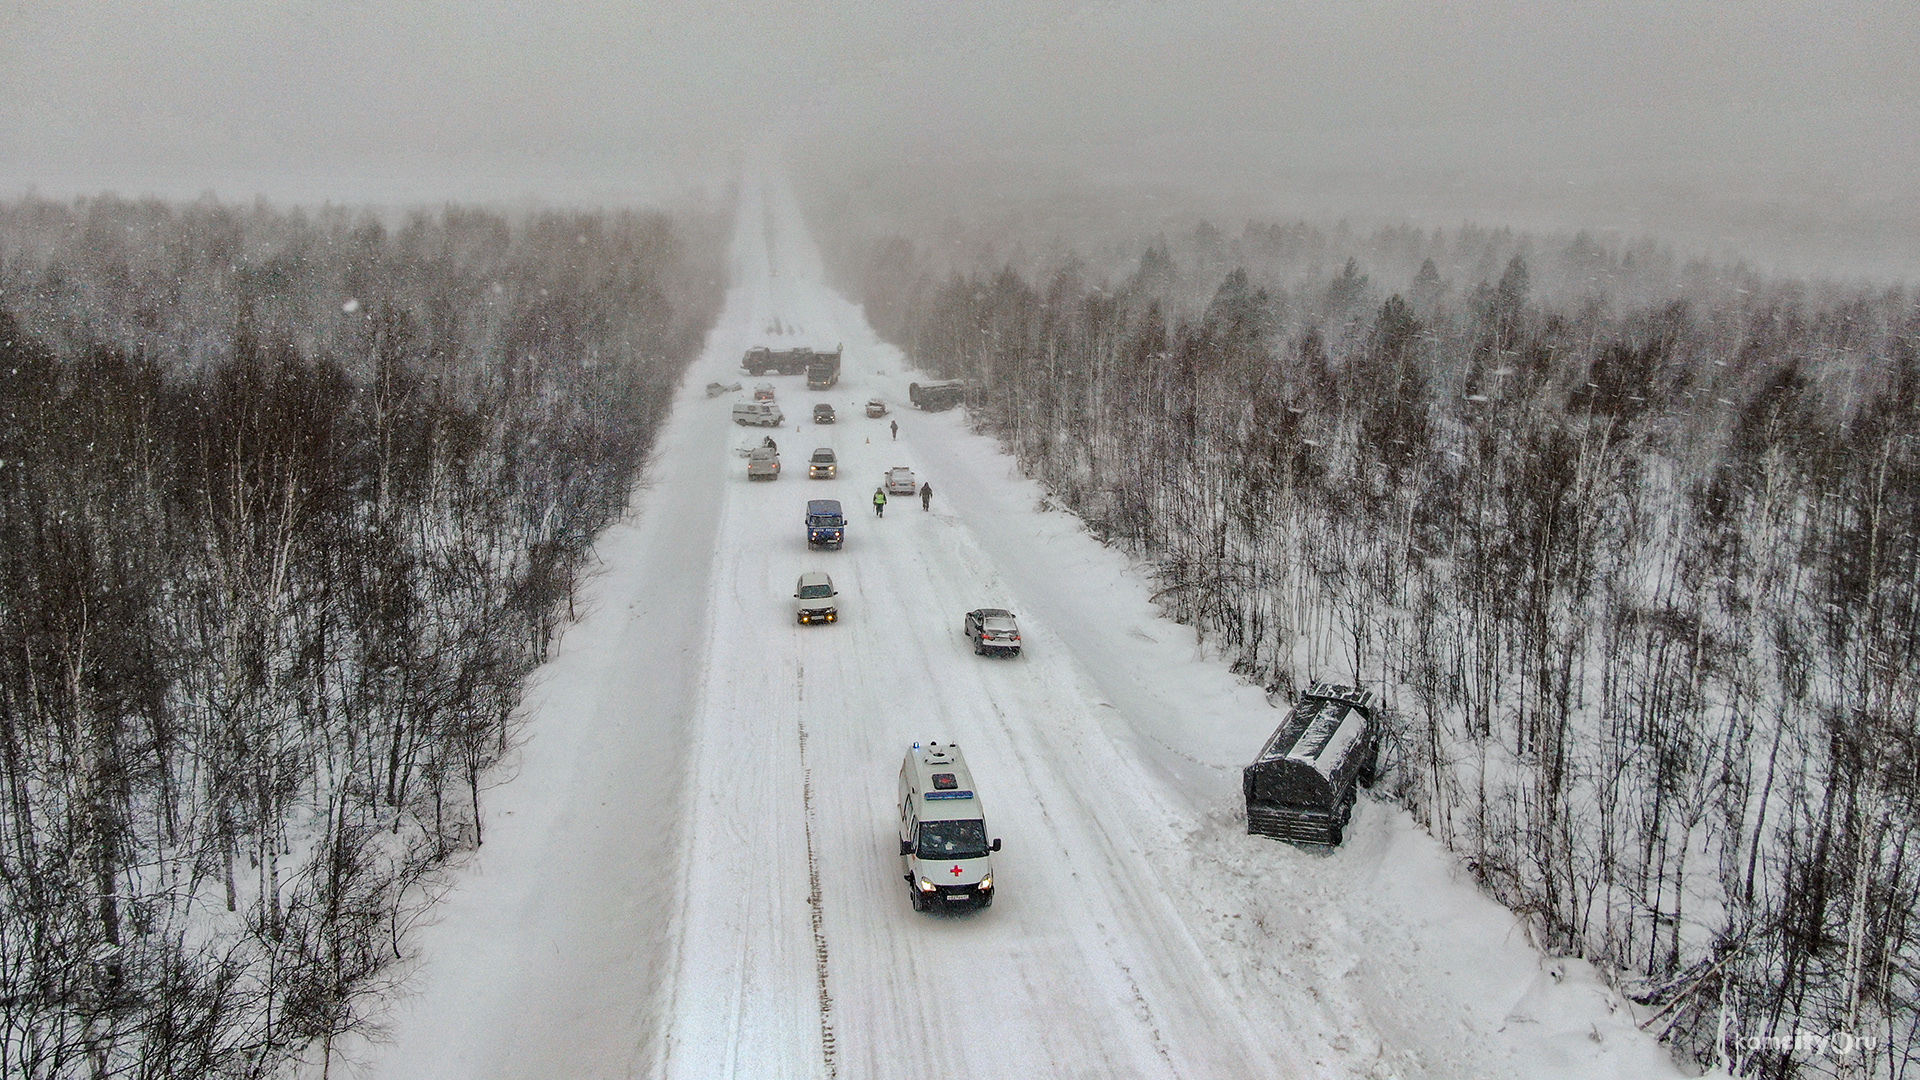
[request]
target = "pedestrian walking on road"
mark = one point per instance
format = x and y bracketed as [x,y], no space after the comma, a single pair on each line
[880,502]
[926,496]
[895,425]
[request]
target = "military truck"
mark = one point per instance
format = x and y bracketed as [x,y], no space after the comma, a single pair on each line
[823,371]
[764,361]
[761,360]
[1302,786]
[938,396]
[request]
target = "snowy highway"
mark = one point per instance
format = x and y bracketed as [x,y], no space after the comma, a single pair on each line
[692,871]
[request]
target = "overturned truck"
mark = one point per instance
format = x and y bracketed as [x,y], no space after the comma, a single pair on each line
[761,360]
[1302,786]
[938,396]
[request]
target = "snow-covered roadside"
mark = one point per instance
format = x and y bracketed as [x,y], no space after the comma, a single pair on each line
[551,942]
[690,874]
[1389,928]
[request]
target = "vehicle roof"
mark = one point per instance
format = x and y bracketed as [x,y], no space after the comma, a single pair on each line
[949,804]
[1321,730]
[898,468]
[1003,617]
[824,453]
[823,506]
[993,613]
[813,577]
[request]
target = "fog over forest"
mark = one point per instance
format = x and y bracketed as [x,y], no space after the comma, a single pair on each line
[1553,371]
[1779,131]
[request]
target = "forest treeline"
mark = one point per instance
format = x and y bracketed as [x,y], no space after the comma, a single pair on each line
[1628,542]
[290,502]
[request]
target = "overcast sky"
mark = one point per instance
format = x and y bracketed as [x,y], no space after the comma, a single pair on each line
[1807,111]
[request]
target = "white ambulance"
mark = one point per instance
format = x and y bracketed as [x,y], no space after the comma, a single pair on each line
[944,851]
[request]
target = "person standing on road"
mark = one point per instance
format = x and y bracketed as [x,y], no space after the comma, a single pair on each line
[926,496]
[895,425]
[880,502]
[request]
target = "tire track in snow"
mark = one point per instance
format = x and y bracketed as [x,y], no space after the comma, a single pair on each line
[814,908]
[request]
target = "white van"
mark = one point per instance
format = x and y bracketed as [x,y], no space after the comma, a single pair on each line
[759,413]
[944,851]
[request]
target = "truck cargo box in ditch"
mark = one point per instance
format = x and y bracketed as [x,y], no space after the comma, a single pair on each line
[938,396]
[1302,786]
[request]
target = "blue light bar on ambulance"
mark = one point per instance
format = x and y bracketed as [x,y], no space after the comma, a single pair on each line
[932,795]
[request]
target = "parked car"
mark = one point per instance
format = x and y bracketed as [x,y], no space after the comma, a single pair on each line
[763,391]
[823,413]
[900,481]
[822,465]
[813,598]
[1302,786]
[876,408]
[758,413]
[993,631]
[763,463]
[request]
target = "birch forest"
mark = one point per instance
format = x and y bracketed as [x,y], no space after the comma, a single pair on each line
[290,502]
[1628,542]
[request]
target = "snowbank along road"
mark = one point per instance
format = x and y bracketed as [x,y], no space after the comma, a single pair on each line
[693,871]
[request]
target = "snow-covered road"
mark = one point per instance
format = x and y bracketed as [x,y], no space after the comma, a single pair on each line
[692,870]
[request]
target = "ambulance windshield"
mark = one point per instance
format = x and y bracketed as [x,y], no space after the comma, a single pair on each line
[953,839]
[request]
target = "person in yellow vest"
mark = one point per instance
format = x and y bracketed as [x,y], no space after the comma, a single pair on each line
[880,502]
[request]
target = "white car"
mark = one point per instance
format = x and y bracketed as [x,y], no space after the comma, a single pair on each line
[763,463]
[813,598]
[900,481]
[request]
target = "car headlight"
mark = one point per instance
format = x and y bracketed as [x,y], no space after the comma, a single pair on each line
[986,883]
[925,885]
